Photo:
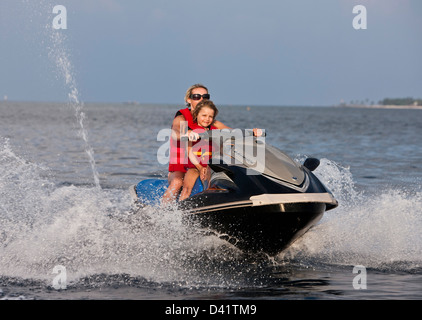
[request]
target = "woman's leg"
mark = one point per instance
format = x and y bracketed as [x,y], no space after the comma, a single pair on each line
[175,184]
[188,183]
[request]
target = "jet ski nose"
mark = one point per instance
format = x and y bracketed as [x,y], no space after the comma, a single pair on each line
[311,163]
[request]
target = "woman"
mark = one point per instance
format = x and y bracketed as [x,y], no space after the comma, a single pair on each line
[177,171]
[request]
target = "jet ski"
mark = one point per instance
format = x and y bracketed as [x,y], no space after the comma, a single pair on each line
[257,203]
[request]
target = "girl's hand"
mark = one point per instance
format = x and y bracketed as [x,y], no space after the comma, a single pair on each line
[193,136]
[204,173]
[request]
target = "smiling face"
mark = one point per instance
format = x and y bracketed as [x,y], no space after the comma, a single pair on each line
[205,117]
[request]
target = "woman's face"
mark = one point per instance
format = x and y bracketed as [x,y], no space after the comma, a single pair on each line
[193,103]
[205,117]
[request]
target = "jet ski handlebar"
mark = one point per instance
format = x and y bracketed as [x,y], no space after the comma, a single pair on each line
[224,133]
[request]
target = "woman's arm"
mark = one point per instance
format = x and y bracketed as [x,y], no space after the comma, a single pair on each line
[175,127]
[220,125]
[179,127]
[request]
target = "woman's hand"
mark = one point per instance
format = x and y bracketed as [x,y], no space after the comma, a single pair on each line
[257,132]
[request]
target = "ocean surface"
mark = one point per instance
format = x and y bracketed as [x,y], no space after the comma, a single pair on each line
[68,230]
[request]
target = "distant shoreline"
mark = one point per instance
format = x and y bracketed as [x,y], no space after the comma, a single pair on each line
[140,104]
[378,106]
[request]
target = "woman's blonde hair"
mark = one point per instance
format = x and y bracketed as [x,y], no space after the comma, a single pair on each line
[189,91]
[204,104]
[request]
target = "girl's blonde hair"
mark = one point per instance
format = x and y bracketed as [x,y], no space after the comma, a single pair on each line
[189,91]
[204,104]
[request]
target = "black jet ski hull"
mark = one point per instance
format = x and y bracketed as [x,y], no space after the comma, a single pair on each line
[269,229]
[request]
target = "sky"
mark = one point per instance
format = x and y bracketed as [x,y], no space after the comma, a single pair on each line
[266,52]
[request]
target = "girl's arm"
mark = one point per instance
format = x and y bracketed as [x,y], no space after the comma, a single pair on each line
[203,171]
[193,158]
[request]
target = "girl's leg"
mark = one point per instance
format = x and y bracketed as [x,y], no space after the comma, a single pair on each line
[188,183]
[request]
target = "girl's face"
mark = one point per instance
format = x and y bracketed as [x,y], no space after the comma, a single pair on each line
[205,117]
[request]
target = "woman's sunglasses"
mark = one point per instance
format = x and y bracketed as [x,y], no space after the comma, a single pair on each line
[198,96]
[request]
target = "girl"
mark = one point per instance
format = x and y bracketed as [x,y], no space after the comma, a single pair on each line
[199,152]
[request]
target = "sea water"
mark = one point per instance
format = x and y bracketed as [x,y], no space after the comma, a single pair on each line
[63,207]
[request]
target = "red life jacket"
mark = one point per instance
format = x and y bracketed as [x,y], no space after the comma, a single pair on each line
[202,149]
[178,151]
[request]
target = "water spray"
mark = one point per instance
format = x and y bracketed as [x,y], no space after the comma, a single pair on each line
[60,56]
